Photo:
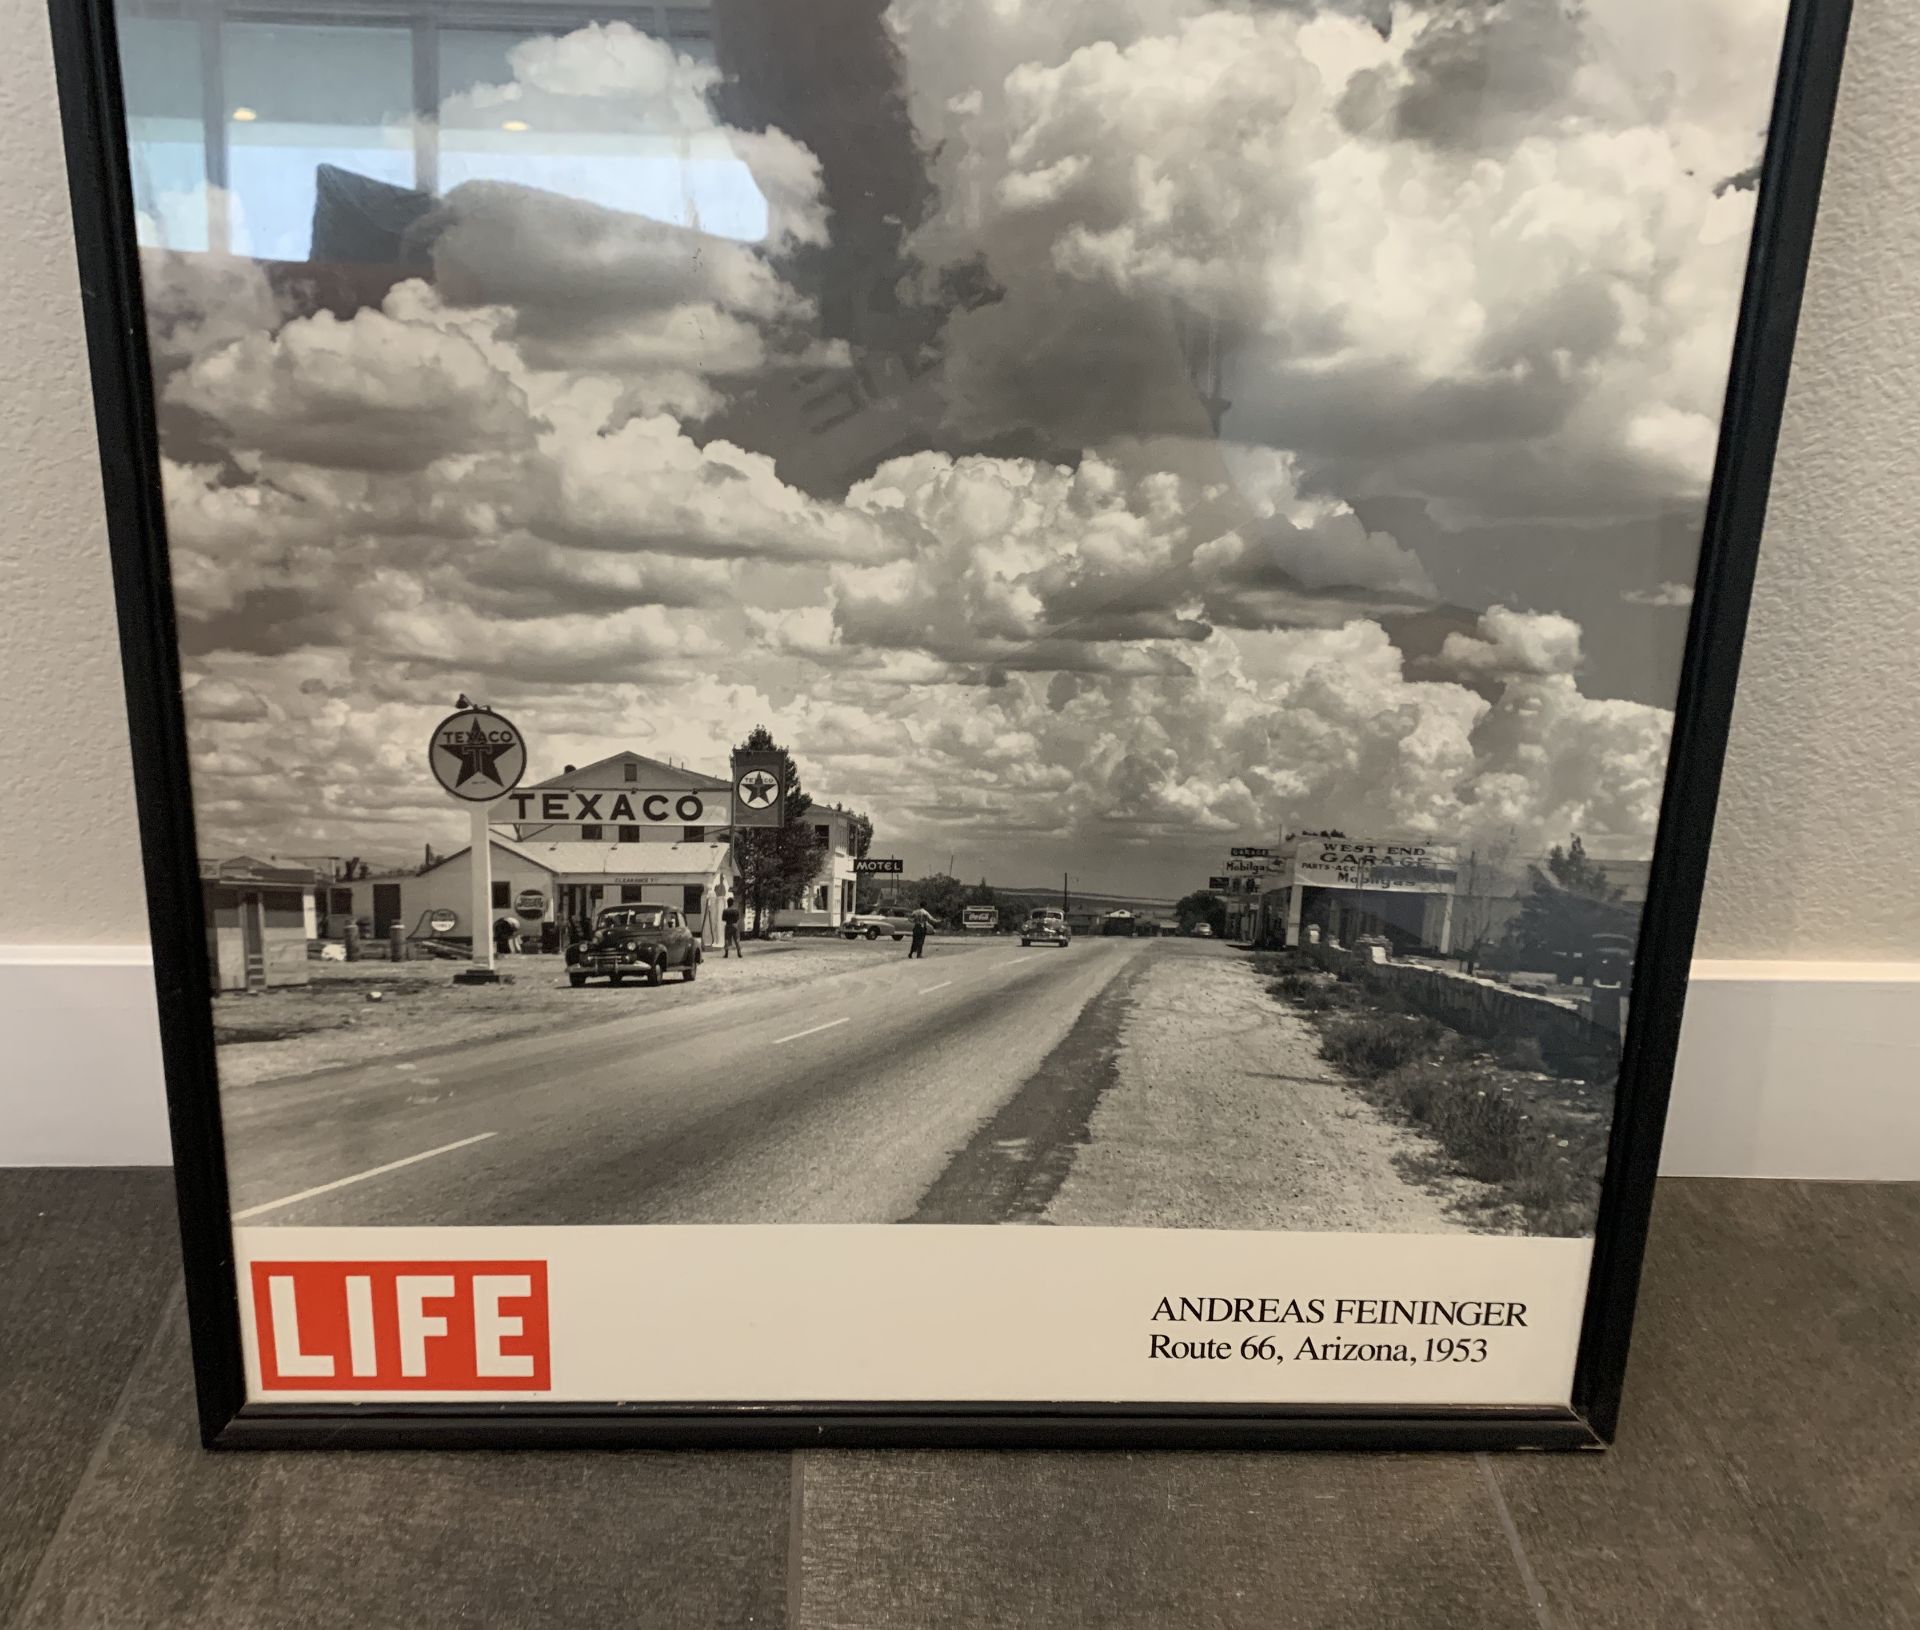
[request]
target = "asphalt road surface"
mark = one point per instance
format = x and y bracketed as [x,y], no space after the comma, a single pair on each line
[845,1100]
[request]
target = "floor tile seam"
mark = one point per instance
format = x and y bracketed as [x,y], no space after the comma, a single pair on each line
[796,1540]
[1516,1547]
[96,1458]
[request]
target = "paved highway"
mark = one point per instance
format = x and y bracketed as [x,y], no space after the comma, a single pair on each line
[841,1100]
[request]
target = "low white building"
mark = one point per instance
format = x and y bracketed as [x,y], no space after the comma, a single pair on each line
[624,829]
[566,882]
[828,900]
[642,805]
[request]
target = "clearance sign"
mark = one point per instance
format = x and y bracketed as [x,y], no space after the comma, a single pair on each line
[613,806]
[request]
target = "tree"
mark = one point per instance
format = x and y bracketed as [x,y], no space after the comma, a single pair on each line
[776,863]
[942,895]
[861,831]
[1202,906]
[1568,902]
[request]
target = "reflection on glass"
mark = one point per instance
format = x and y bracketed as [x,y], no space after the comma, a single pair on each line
[509,114]
[318,94]
[166,138]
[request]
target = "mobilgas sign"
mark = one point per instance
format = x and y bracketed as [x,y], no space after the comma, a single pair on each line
[874,863]
[610,806]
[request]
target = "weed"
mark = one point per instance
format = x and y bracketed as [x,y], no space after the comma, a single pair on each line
[1370,1047]
[1521,1053]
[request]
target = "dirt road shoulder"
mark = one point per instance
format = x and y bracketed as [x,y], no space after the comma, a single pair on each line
[1223,1115]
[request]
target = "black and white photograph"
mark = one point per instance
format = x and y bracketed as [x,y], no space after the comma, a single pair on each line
[1054,612]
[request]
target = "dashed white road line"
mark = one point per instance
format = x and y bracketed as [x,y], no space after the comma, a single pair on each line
[777,1040]
[930,989]
[1027,958]
[360,1177]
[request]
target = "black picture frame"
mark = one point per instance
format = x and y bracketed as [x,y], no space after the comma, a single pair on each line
[85,58]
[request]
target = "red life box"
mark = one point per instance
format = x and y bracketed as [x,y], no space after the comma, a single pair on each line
[402,1326]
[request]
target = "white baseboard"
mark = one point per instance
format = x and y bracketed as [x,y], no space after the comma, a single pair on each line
[1798,1069]
[1787,1069]
[80,1036]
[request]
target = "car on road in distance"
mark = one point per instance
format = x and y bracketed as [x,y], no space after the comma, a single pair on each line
[1046,925]
[640,941]
[872,924]
[1201,931]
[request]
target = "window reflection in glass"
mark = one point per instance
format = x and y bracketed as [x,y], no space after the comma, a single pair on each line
[502,118]
[160,65]
[231,122]
[300,95]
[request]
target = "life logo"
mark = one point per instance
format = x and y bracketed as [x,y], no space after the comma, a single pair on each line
[401,1326]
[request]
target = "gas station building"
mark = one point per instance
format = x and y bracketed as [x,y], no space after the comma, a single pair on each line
[625,829]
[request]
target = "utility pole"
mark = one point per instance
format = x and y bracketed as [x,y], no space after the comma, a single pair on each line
[1065,901]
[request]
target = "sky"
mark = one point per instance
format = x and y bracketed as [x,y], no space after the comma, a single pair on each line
[1089,435]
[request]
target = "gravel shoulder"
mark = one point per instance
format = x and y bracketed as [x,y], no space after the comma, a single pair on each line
[1222,1114]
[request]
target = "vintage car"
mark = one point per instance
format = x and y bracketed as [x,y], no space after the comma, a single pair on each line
[1046,925]
[873,924]
[638,940]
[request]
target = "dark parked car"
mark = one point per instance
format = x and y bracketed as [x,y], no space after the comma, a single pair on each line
[642,941]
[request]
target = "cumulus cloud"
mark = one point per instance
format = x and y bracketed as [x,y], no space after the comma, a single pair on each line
[367,393]
[649,486]
[223,701]
[1239,268]
[1479,258]
[1662,594]
[1001,565]
[1514,645]
[641,235]
[610,96]
[196,304]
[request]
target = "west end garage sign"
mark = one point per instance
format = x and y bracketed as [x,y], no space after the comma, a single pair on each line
[612,806]
[1329,862]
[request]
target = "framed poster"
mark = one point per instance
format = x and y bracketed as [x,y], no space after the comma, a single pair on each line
[930,720]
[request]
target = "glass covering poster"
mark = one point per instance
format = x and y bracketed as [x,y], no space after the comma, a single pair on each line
[932,706]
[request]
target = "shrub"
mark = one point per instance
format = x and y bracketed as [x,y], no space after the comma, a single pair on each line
[1370,1048]
[1521,1053]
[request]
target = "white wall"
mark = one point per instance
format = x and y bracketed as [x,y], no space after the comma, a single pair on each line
[1815,845]
[73,878]
[1821,815]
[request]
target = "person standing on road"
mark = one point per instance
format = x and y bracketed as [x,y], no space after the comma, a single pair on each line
[922,920]
[730,919]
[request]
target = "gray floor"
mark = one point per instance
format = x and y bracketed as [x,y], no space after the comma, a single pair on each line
[1765,1477]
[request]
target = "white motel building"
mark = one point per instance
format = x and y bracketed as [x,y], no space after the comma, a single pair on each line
[626,829]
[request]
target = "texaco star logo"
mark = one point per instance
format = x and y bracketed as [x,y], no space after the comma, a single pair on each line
[476,754]
[758,789]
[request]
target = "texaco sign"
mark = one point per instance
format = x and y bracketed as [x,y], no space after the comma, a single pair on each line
[612,806]
[477,755]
